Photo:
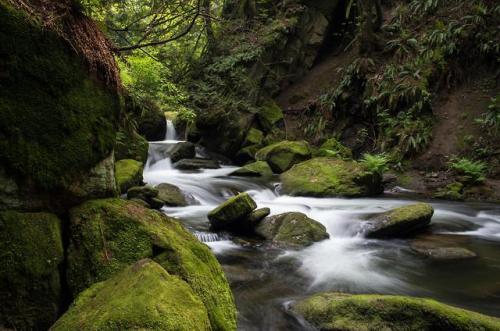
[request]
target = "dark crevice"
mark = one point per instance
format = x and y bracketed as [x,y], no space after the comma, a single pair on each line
[66,297]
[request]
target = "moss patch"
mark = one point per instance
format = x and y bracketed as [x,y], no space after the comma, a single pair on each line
[333,148]
[55,121]
[254,137]
[131,145]
[231,212]
[128,173]
[327,177]
[256,169]
[142,297]
[336,311]
[283,155]
[107,235]
[31,253]
[269,115]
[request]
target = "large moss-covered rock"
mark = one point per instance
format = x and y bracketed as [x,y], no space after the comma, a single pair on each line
[171,195]
[269,115]
[329,177]
[131,145]
[56,120]
[256,169]
[254,137]
[144,296]
[128,173]
[283,155]
[399,222]
[108,235]
[291,230]
[30,285]
[232,212]
[345,312]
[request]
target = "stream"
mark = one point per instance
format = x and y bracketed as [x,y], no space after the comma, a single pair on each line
[265,279]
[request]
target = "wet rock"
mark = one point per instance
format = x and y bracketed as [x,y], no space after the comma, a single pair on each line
[126,302]
[182,150]
[329,177]
[195,164]
[283,155]
[399,222]
[232,214]
[99,182]
[258,215]
[291,230]
[31,255]
[246,154]
[106,236]
[256,169]
[128,173]
[171,195]
[147,194]
[441,247]
[338,311]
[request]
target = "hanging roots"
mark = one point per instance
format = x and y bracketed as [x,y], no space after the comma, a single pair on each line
[65,18]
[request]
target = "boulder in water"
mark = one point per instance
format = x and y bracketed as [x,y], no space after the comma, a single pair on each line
[291,230]
[128,173]
[232,214]
[399,222]
[171,195]
[441,247]
[339,311]
[283,155]
[196,164]
[147,194]
[106,236]
[143,296]
[31,256]
[246,154]
[257,215]
[256,169]
[182,150]
[329,177]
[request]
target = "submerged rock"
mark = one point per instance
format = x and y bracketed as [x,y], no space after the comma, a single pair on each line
[283,155]
[108,235]
[329,177]
[441,247]
[399,222]
[291,229]
[171,195]
[195,164]
[232,214]
[256,169]
[143,296]
[128,173]
[31,248]
[346,312]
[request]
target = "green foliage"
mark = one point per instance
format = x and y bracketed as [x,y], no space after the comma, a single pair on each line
[491,119]
[472,171]
[377,163]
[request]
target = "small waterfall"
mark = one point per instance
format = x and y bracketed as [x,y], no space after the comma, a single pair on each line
[206,237]
[171,134]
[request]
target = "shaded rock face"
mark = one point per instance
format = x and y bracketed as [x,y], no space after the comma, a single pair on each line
[147,195]
[182,150]
[232,214]
[195,164]
[337,311]
[30,283]
[142,296]
[171,195]
[151,123]
[128,174]
[108,235]
[131,145]
[329,177]
[441,247]
[256,169]
[291,230]
[283,155]
[57,122]
[399,222]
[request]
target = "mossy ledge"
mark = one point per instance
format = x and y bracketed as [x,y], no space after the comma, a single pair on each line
[345,312]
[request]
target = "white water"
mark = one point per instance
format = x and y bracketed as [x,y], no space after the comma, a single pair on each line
[171,134]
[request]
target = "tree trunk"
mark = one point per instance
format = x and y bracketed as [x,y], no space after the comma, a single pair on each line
[211,41]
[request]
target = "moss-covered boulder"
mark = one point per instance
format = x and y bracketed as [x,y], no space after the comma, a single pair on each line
[257,215]
[329,177]
[128,173]
[131,145]
[108,235]
[256,169]
[283,155]
[30,285]
[269,115]
[345,312]
[246,154]
[399,222]
[143,296]
[452,191]
[57,121]
[171,195]
[232,213]
[254,137]
[291,230]
[333,148]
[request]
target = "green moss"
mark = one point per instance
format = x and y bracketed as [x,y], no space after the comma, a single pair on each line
[256,169]
[171,195]
[128,173]
[31,253]
[336,311]
[131,145]
[324,177]
[55,121]
[254,137]
[107,235]
[333,148]
[453,191]
[283,155]
[231,211]
[142,297]
[269,115]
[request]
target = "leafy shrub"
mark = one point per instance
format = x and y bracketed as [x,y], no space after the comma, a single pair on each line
[491,119]
[472,171]
[375,163]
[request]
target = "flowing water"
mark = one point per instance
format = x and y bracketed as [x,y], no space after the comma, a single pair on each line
[264,279]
